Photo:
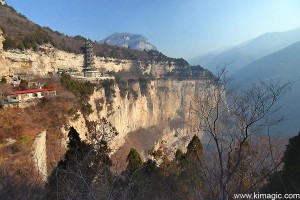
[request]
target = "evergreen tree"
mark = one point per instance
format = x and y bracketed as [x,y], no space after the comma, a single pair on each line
[83,173]
[179,155]
[190,178]
[195,149]
[288,179]
[291,159]
[134,160]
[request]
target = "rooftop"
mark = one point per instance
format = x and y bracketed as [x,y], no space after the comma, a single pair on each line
[30,91]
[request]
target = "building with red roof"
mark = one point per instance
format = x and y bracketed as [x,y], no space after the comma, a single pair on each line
[28,95]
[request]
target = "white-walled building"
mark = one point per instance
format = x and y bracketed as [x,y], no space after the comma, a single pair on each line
[28,95]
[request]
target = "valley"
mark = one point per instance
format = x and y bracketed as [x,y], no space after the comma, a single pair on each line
[117,119]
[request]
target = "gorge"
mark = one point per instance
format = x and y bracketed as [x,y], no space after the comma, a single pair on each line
[162,101]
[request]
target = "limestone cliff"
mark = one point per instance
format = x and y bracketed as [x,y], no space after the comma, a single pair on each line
[49,59]
[163,104]
[156,113]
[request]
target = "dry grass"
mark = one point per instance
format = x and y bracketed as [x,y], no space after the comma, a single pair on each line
[23,125]
[50,114]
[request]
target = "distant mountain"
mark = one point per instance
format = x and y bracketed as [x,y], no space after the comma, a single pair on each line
[129,40]
[239,56]
[283,65]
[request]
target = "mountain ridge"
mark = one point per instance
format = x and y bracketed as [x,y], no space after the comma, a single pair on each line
[281,66]
[129,40]
[247,52]
[21,33]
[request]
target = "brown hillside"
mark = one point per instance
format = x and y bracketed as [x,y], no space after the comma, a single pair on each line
[21,30]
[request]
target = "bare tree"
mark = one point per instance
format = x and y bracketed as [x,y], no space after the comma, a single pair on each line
[19,180]
[233,120]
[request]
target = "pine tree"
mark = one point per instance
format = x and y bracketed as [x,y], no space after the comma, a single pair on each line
[83,173]
[134,160]
[288,179]
[195,149]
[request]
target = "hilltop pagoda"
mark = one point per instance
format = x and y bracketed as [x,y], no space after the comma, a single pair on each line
[89,57]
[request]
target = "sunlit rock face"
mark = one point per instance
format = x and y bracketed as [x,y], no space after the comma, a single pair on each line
[2,2]
[49,59]
[3,62]
[162,105]
[1,40]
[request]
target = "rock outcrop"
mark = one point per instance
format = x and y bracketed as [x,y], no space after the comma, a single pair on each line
[40,155]
[164,104]
[3,62]
[2,2]
[1,40]
[49,59]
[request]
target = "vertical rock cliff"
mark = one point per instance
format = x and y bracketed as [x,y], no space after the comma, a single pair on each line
[163,105]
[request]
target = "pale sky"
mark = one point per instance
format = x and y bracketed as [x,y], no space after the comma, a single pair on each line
[178,28]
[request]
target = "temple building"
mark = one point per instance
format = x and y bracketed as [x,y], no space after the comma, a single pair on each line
[28,95]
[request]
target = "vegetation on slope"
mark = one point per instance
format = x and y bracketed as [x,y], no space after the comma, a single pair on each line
[84,174]
[19,179]
[287,180]
[188,176]
[82,90]
[21,33]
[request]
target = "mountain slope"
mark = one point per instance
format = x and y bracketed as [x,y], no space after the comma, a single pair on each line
[239,56]
[22,33]
[283,65]
[129,40]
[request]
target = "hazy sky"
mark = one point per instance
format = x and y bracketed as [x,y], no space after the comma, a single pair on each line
[178,28]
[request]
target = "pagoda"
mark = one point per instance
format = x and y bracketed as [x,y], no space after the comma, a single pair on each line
[89,68]
[89,62]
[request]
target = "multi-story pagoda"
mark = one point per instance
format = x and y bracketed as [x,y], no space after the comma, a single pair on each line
[89,57]
[89,69]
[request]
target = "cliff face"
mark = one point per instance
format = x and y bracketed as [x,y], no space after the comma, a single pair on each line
[162,105]
[3,61]
[49,59]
